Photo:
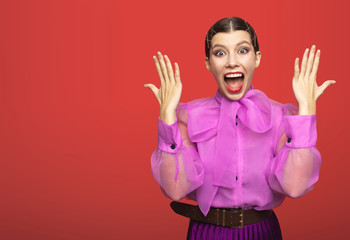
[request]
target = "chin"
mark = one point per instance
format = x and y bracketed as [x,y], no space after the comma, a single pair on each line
[235,97]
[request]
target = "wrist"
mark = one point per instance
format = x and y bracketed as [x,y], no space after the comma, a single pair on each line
[307,108]
[168,116]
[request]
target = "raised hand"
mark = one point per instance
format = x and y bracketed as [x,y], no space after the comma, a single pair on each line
[305,87]
[169,93]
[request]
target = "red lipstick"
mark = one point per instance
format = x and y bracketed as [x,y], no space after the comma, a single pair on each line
[234,83]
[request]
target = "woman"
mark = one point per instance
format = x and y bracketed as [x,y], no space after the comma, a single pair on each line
[238,154]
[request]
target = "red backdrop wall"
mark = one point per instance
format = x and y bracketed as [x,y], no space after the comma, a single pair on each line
[77,127]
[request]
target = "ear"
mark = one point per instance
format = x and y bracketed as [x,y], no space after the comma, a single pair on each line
[257,59]
[207,64]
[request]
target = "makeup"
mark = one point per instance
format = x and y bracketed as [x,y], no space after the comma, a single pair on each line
[234,81]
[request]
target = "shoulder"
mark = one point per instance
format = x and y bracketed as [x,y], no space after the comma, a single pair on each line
[203,108]
[278,110]
[198,105]
[202,102]
[195,108]
[283,109]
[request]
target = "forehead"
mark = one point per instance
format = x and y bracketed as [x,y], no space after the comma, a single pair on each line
[231,39]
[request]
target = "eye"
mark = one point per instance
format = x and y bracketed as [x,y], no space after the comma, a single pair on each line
[219,53]
[243,50]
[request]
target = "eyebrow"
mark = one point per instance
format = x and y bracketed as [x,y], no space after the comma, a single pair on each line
[240,43]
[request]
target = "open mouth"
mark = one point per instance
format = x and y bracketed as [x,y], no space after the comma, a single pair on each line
[234,81]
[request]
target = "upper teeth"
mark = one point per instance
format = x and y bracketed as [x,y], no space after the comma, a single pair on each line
[233,75]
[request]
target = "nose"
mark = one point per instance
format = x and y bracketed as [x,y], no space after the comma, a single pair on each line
[232,61]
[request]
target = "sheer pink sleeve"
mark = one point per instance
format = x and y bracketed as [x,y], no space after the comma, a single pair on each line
[295,168]
[175,163]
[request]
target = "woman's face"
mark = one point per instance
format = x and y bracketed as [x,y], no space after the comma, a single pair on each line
[232,62]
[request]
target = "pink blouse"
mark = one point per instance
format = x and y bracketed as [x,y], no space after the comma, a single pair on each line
[249,153]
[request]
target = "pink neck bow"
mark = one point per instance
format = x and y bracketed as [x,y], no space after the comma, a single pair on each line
[207,119]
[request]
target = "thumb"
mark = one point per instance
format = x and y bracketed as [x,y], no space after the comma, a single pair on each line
[323,87]
[153,88]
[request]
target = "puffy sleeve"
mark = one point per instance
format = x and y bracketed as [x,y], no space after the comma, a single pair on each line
[296,164]
[176,165]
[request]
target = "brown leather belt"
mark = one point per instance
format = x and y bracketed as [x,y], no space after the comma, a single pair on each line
[225,217]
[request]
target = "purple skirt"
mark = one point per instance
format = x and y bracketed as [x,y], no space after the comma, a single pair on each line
[268,229]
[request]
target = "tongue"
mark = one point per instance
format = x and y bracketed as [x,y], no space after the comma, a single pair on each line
[234,84]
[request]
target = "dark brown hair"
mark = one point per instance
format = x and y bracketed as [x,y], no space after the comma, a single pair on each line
[227,25]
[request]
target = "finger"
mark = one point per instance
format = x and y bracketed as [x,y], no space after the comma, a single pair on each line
[169,68]
[163,67]
[159,70]
[296,69]
[154,89]
[316,63]
[310,60]
[177,73]
[303,63]
[323,87]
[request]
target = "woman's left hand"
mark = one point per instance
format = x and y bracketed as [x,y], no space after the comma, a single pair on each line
[305,86]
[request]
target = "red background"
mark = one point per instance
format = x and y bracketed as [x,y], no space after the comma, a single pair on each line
[77,128]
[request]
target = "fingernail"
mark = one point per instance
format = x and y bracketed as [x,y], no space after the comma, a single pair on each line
[165,56]
[158,53]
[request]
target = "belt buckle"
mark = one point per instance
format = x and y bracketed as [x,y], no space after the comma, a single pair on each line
[241,218]
[241,222]
[223,218]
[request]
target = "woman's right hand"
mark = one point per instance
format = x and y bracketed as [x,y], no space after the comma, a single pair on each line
[169,93]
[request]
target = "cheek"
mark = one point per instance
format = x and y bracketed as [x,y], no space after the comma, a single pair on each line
[217,64]
[217,78]
[216,73]
[250,65]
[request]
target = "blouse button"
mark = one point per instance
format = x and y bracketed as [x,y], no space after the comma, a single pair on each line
[289,140]
[172,146]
